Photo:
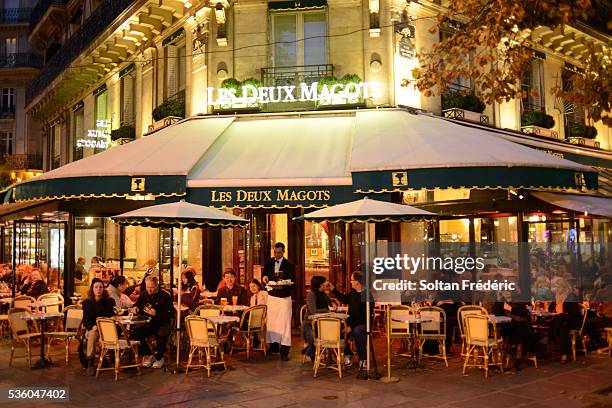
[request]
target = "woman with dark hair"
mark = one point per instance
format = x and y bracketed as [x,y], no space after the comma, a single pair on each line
[97,304]
[190,295]
[259,296]
[316,302]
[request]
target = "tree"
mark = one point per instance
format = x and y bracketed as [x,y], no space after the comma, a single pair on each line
[490,45]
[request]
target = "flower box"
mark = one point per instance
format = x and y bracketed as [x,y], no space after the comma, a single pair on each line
[540,131]
[584,142]
[463,114]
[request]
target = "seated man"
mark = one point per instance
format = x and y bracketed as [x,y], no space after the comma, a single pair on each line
[158,305]
[356,322]
[232,290]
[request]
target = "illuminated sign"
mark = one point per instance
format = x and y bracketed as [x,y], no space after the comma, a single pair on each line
[303,93]
[96,138]
[258,196]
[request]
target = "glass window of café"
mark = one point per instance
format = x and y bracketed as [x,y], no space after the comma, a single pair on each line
[128,95]
[78,129]
[175,66]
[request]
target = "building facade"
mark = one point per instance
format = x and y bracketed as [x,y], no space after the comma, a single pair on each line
[117,71]
[20,151]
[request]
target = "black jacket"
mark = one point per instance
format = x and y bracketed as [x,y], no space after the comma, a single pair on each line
[356,307]
[161,302]
[92,310]
[35,289]
[287,271]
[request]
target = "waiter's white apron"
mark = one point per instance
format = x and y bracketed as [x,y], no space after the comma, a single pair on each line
[279,320]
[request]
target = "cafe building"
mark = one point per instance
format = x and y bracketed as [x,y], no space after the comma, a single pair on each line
[269,109]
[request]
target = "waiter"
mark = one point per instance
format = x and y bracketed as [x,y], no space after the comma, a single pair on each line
[279,301]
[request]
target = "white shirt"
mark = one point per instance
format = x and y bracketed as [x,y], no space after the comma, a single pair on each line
[277,265]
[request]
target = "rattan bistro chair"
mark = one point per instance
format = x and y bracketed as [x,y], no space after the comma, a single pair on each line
[252,324]
[21,333]
[207,311]
[23,302]
[481,335]
[199,331]
[329,338]
[55,302]
[110,340]
[579,335]
[71,330]
[433,331]
[303,311]
[461,314]
[399,330]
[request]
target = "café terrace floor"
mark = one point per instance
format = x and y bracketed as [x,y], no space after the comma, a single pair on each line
[270,383]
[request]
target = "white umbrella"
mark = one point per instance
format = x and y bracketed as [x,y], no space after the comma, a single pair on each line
[182,215]
[367,210]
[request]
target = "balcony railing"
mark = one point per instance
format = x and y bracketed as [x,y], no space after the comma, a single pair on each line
[15,15]
[21,60]
[96,23]
[23,161]
[284,76]
[41,8]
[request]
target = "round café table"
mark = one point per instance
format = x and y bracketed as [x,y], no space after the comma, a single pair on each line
[43,361]
[414,321]
[499,319]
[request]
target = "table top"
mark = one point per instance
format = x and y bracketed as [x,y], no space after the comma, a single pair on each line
[343,316]
[40,316]
[541,313]
[223,319]
[234,308]
[500,319]
[412,319]
[6,300]
[183,307]
[340,309]
[132,320]
[6,294]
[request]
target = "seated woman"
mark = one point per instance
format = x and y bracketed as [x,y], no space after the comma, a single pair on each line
[34,285]
[116,291]
[190,295]
[316,302]
[97,304]
[259,296]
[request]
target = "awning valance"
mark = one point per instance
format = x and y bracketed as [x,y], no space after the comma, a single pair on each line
[595,205]
[300,159]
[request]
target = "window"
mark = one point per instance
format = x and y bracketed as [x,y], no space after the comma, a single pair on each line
[102,123]
[78,130]
[574,113]
[8,100]
[128,94]
[299,38]
[459,83]
[56,146]
[532,87]
[6,143]
[175,70]
[10,45]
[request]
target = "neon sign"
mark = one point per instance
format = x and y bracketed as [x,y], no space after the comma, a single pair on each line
[96,138]
[250,94]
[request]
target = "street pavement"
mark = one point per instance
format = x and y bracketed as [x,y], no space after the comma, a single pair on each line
[269,383]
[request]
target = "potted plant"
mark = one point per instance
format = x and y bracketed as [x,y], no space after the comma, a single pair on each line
[169,108]
[538,123]
[456,105]
[583,135]
[232,83]
[248,93]
[124,132]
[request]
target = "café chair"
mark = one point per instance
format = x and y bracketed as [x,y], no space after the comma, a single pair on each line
[199,330]
[21,333]
[399,330]
[55,301]
[481,335]
[71,330]
[433,331]
[252,325]
[23,302]
[4,324]
[207,311]
[303,310]
[329,339]
[608,331]
[110,340]
[461,314]
[579,334]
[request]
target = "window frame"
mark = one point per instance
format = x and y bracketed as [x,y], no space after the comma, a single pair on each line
[299,35]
